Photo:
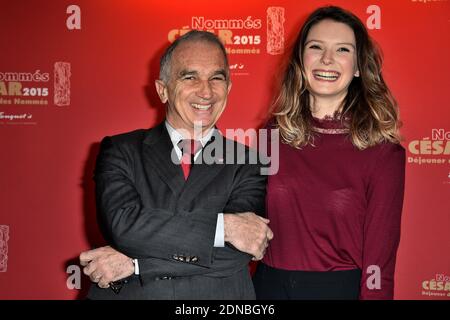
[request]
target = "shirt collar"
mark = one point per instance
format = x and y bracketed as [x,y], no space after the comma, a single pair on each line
[176,137]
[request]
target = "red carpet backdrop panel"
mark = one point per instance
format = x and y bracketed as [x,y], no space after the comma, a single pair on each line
[72,72]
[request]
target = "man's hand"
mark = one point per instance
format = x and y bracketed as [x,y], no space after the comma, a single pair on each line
[104,265]
[248,233]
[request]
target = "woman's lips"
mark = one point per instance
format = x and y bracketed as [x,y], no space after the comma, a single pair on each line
[326,75]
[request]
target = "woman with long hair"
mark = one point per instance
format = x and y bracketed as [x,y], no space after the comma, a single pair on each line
[335,203]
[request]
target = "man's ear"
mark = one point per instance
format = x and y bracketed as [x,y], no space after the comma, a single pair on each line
[161,89]
[229,87]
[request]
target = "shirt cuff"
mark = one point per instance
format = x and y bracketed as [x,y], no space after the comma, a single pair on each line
[136,266]
[219,240]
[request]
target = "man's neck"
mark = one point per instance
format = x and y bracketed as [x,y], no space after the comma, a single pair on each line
[203,134]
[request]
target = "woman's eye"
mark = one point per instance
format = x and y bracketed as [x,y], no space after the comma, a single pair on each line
[314,46]
[343,49]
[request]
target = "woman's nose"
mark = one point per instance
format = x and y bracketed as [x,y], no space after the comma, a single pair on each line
[327,57]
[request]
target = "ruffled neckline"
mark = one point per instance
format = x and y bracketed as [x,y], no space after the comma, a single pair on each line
[336,124]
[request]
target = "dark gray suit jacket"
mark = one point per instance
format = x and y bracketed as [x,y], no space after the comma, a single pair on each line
[149,212]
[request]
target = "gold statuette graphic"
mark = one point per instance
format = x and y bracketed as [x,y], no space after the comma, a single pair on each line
[62,83]
[275,30]
[4,237]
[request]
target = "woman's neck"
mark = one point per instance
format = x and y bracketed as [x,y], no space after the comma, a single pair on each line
[322,107]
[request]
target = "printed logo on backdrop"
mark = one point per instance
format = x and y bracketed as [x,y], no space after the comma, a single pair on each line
[439,286]
[242,35]
[434,151]
[428,1]
[32,90]
[4,237]
[246,35]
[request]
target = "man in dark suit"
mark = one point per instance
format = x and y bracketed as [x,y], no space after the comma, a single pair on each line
[180,230]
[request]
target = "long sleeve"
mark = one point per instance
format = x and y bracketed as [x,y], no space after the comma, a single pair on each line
[382,223]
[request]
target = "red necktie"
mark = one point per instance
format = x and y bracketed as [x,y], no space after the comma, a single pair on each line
[189,148]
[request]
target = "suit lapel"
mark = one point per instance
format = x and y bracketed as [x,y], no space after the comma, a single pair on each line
[157,149]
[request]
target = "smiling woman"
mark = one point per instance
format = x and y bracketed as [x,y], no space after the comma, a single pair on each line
[330,64]
[335,204]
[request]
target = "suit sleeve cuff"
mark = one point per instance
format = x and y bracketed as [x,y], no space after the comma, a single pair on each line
[136,266]
[219,240]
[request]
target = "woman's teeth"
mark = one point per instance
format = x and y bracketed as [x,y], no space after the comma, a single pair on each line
[326,75]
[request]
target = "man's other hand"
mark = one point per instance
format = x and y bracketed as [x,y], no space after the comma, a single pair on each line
[248,233]
[104,265]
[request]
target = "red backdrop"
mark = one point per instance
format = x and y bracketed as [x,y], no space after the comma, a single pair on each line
[70,75]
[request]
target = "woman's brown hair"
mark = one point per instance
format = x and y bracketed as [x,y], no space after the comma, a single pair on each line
[369,104]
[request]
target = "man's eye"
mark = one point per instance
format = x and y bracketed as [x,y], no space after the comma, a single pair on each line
[188,78]
[218,78]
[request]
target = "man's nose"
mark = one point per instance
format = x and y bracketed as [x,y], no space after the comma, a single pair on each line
[204,90]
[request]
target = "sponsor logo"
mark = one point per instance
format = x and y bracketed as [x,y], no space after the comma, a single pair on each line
[430,151]
[439,286]
[428,1]
[239,69]
[4,237]
[62,84]
[242,35]
[36,89]
[275,30]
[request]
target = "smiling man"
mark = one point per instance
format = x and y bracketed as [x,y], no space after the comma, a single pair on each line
[195,86]
[179,229]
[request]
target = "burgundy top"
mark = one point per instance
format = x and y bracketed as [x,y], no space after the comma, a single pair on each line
[333,207]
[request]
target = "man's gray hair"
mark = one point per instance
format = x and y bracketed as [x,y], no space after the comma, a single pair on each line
[191,36]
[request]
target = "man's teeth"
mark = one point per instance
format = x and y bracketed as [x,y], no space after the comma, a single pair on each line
[200,106]
[327,75]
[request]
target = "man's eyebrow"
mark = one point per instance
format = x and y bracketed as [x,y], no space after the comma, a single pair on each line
[220,72]
[187,73]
